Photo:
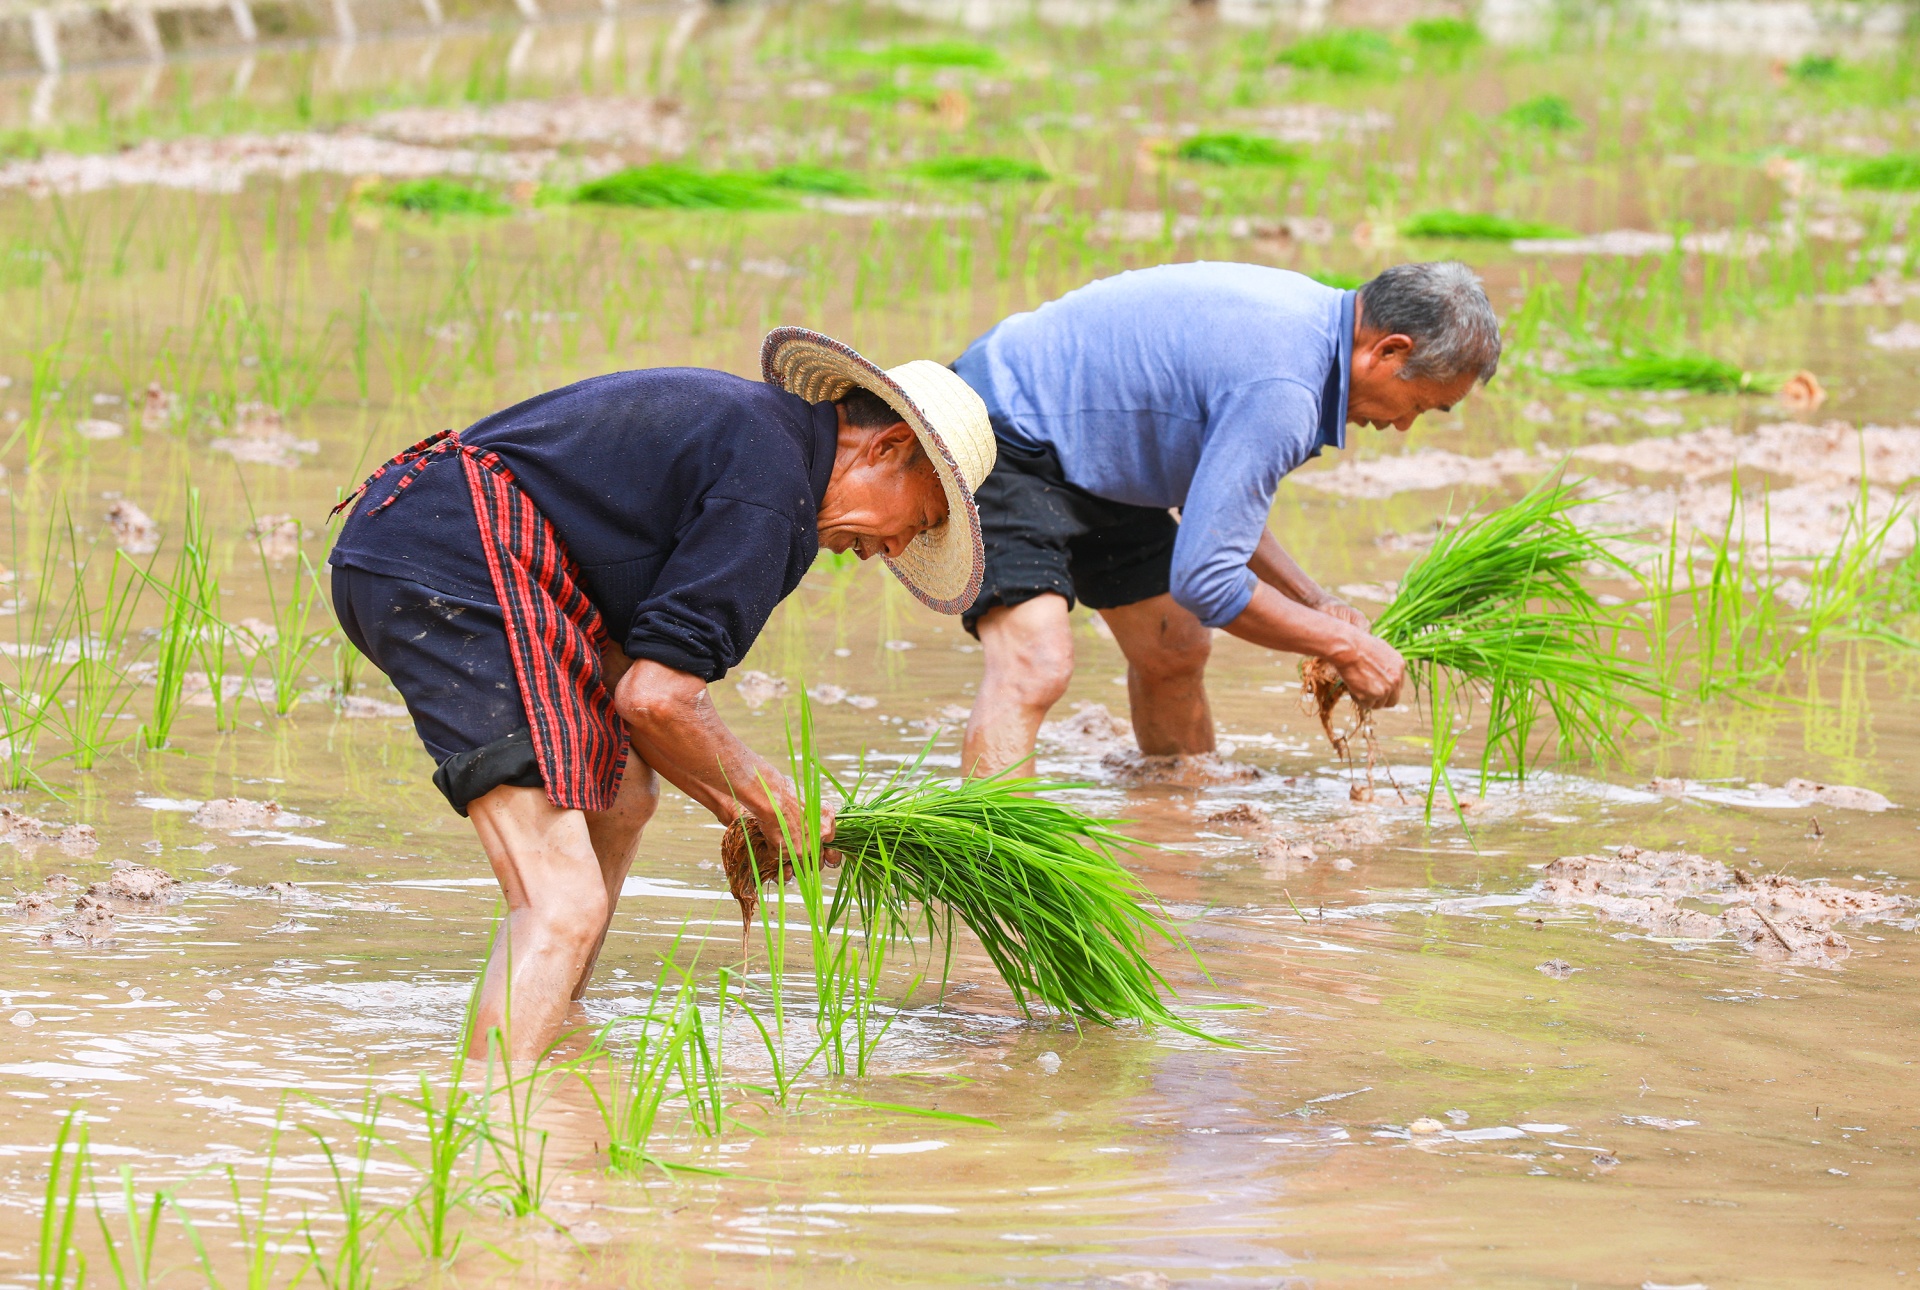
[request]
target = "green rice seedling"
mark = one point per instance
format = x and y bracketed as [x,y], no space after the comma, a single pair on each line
[670,186]
[288,648]
[1342,51]
[981,170]
[135,1271]
[439,196]
[104,650]
[352,1262]
[1038,883]
[1497,608]
[819,181]
[453,1122]
[1897,172]
[1230,148]
[184,622]
[1334,278]
[937,53]
[60,1266]
[671,1062]
[1816,68]
[1698,372]
[1444,35]
[43,662]
[519,1177]
[1548,112]
[1474,226]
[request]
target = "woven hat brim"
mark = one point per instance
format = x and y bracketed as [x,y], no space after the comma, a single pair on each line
[944,567]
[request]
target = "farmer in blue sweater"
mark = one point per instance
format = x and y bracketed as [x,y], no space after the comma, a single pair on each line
[1196,387]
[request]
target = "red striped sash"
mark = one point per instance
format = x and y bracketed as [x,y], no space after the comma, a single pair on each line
[553,631]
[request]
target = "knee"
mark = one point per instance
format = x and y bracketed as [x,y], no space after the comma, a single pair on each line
[1181,657]
[568,918]
[1033,665]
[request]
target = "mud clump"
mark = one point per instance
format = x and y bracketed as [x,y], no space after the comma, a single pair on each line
[1090,731]
[241,813]
[757,689]
[90,923]
[34,905]
[1179,770]
[27,833]
[1777,918]
[134,531]
[1840,795]
[1240,815]
[134,882]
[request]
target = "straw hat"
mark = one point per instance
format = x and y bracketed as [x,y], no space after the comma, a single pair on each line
[943,566]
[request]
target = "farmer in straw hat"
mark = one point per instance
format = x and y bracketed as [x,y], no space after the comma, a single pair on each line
[553,589]
[1196,386]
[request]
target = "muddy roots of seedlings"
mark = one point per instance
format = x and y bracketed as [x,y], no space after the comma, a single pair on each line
[750,860]
[1321,690]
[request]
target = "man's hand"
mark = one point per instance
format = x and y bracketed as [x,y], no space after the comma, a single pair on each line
[1373,670]
[1334,607]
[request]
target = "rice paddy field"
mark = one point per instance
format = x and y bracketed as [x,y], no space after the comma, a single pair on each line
[1643,1017]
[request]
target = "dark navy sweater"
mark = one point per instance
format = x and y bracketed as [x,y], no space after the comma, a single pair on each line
[687,499]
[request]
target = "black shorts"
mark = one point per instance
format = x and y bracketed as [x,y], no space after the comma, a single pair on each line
[447,655]
[1045,535]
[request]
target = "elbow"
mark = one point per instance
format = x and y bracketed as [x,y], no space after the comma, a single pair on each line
[652,697]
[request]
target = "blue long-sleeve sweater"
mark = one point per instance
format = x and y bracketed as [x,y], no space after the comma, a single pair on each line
[1191,385]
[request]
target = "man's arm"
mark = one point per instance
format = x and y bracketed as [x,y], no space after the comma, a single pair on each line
[1273,566]
[671,719]
[1372,669]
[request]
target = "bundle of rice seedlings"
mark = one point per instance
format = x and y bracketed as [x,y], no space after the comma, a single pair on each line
[1897,172]
[1231,148]
[1698,372]
[1497,607]
[1445,34]
[1547,112]
[1472,226]
[1038,883]
[668,186]
[1340,51]
[982,170]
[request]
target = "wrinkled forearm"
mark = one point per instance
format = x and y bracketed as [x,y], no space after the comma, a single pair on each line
[674,727]
[1274,567]
[1277,621]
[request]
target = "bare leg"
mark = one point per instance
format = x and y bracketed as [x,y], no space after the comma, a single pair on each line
[1029,656]
[1166,649]
[557,909]
[616,839]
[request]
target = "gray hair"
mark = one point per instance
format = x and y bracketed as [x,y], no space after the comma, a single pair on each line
[1445,310]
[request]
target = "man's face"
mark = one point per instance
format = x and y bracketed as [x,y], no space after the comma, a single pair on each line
[879,499]
[1378,396]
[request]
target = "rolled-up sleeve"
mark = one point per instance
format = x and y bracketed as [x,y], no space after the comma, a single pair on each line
[1254,443]
[728,571]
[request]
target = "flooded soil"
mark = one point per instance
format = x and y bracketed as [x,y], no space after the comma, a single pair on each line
[1642,1023]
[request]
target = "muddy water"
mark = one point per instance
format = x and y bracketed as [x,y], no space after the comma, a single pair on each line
[1445,1074]
[1662,1112]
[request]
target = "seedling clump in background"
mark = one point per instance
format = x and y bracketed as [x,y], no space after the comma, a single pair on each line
[1547,112]
[1472,226]
[1228,148]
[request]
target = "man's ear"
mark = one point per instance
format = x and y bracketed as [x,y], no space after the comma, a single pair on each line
[894,440]
[1392,351]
